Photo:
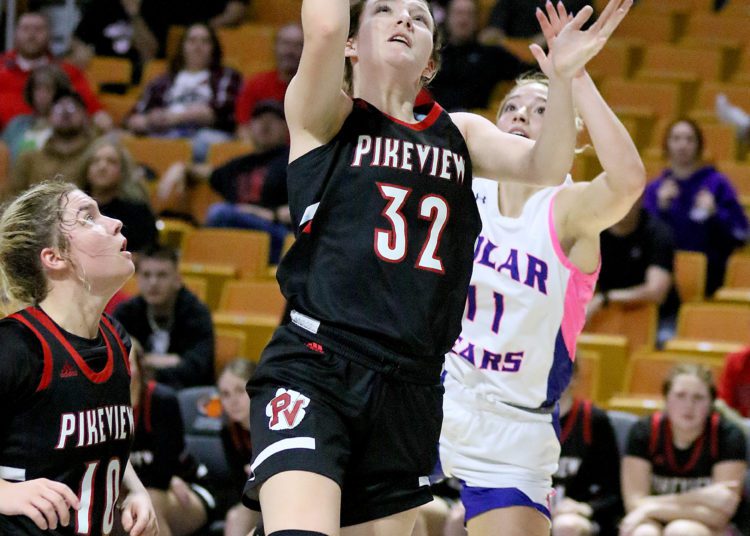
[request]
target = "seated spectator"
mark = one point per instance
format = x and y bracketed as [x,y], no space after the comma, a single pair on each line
[517,19]
[637,267]
[235,436]
[64,150]
[271,84]
[683,469]
[698,202]
[135,30]
[28,132]
[173,324]
[469,70]
[254,185]
[110,176]
[31,50]
[195,99]
[159,457]
[734,384]
[587,482]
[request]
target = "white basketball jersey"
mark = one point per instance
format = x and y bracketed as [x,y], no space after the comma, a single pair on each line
[525,307]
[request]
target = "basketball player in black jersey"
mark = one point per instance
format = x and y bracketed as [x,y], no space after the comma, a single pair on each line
[683,468]
[66,422]
[346,402]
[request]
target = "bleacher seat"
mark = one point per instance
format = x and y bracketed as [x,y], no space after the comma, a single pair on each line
[200,409]
[690,275]
[622,422]
[208,450]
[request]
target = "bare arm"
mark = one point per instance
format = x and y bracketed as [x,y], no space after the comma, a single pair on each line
[138,516]
[232,15]
[607,199]
[653,290]
[316,106]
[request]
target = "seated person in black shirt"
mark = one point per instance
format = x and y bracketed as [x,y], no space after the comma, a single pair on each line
[517,19]
[587,482]
[110,176]
[253,185]
[637,266]
[469,71]
[683,468]
[159,458]
[173,324]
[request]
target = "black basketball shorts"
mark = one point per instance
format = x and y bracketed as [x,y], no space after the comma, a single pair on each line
[366,425]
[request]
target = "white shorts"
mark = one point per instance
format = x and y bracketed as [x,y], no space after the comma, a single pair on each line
[493,446]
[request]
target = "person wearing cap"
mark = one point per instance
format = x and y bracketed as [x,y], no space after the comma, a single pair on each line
[253,186]
[63,153]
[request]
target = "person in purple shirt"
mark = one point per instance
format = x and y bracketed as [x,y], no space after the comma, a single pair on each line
[697,201]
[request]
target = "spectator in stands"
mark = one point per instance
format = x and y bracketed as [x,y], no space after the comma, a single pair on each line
[195,99]
[698,202]
[27,132]
[235,436]
[173,324]
[470,70]
[271,84]
[31,49]
[517,19]
[734,384]
[135,30]
[62,154]
[254,186]
[587,482]
[683,468]
[110,176]
[637,267]
[218,13]
[159,457]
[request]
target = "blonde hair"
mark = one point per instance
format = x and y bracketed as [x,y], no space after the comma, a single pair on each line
[31,222]
[131,187]
[240,367]
[535,77]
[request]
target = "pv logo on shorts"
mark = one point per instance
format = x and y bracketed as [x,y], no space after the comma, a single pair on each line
[286,409]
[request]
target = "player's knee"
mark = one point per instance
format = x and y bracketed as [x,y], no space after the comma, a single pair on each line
[570,525]
[647,530]
[684,527]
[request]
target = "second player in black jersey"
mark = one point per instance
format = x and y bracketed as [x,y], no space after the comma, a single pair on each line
[67,422]
[346,401]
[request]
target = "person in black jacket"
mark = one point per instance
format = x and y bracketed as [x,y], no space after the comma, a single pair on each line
[173,324]
[587,482]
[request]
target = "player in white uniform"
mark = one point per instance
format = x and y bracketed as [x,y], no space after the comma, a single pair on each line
[535,267]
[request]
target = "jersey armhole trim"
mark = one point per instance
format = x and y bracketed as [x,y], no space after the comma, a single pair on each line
[46,353]
[555,239]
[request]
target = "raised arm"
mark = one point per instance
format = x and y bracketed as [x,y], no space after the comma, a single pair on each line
[589,208]
[548,160]
[315,103]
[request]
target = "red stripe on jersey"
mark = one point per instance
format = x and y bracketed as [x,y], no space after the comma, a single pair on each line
[149,395]
[715,435]
[697,450]
[46,353]
[424,124]
[587,422]
[571,421]
[653,440]
[112,330]
[96,377]
[308,228]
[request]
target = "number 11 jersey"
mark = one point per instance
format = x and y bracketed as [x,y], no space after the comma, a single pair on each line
[386,222]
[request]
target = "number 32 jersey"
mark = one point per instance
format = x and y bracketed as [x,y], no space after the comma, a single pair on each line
[525,307]
[386,222]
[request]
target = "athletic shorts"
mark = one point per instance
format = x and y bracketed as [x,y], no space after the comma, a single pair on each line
[505,456]
[371,426]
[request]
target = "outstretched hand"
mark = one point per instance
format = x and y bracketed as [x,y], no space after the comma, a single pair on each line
[570,48]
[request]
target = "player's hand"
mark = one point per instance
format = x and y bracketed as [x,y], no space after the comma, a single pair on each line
[138,516]
[666,193]
[570,48]
[46,502]
[631,521]
[721,496]
[705,202]
[569,506]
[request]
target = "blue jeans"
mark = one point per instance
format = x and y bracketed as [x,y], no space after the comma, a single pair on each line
[227,215]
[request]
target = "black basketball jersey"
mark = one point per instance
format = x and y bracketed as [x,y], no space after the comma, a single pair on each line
[386,222]
[159,443]
[677,470]
[70,418]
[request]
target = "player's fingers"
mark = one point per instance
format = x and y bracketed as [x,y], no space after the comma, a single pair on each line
[581,17]
[141,522]
[47,510]
[33,513]
[547,31]
[58,502]
[611,6]
[539,55]
[614,20]
[126,519]
[562,13]
[66,494]
[552,14]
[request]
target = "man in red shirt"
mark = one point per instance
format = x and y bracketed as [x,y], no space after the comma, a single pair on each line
[271,84]
[31,49]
